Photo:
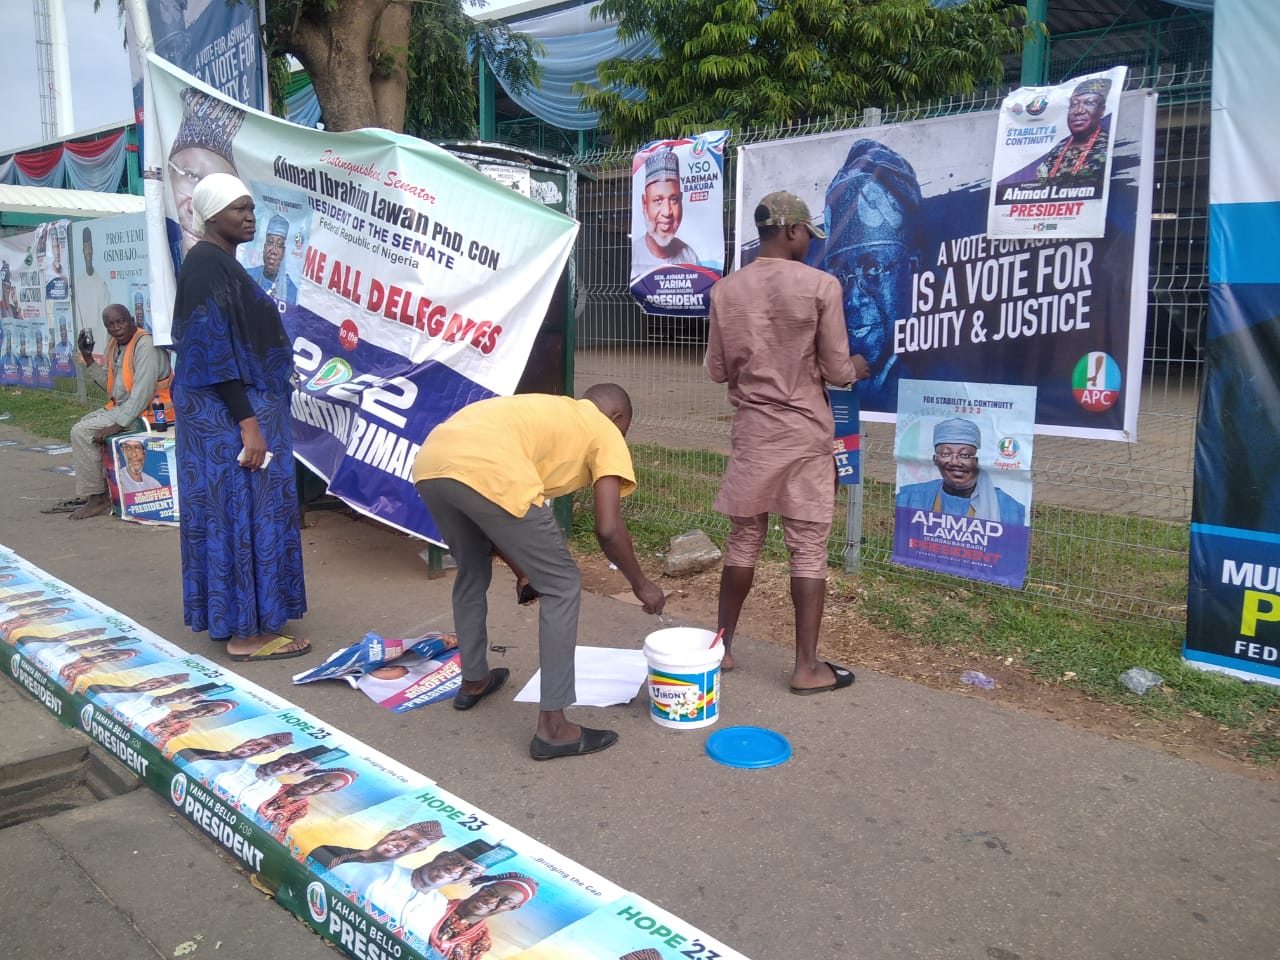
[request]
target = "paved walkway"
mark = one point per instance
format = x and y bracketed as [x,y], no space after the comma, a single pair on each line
[911,823]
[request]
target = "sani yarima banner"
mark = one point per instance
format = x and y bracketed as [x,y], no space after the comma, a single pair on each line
[374,856]
[677,223]
[410,283]
[963,500]
[1233,603]
[929,296]
[1052,167]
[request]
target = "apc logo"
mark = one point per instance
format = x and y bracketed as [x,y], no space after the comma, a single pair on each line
[699,147]
[86,716]
[333,372]
[1037,105]
[1096,382]
[1008,448]
[317,901]
[178,789]
[15,664]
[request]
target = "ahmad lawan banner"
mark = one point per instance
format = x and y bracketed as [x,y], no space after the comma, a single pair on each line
[677,223]
[375,857]
[410,283]
[1233,604]
[1052,167]
[963,498]
[928,295]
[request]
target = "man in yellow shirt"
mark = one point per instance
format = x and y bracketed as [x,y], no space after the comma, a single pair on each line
[488,475]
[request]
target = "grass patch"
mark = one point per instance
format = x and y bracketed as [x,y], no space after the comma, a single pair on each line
[49,414]
[1104,593]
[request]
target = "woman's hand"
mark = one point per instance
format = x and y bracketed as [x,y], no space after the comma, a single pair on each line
[254,454]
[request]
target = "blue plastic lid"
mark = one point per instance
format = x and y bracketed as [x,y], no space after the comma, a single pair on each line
[748,747]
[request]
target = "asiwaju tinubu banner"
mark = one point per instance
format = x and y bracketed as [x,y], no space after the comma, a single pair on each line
[963,500]
[1052,167]
[927,295]
[214,40]
[677,223]
[410,284]
[1233,604]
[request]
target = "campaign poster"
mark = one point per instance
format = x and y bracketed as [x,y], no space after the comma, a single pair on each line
[400,675]
[146,477]
[108,265]
[63,349]
[635,929]
[847,444]
[929,296]
[1233,603]
[1052,166]
[963,498]
[213,40]
[677,224]
[51,258]
[410,283]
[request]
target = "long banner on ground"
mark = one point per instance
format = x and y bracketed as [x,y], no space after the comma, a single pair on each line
[1233,605]
[410,283]
[929,296]
[378,859]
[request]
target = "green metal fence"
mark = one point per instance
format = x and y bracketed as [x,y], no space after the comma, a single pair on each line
[1110,524]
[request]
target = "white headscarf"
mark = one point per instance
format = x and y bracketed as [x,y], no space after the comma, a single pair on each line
[212,195]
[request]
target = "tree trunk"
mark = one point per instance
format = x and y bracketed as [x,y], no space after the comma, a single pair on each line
[390,76]
[334,49]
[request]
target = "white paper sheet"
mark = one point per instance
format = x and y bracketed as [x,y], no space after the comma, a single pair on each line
[605,676]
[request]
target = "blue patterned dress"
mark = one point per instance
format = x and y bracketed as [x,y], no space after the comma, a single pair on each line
[241,545]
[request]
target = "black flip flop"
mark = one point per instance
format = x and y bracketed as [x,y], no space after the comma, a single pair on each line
[844,678]
[497,677]
[66,506]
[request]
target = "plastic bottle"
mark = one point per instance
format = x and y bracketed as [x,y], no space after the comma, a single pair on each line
[158,414]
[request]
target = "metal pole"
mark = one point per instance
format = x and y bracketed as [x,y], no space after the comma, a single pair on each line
[1034,62]
[488,107]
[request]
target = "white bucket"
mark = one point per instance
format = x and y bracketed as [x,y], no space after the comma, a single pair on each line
[684,677]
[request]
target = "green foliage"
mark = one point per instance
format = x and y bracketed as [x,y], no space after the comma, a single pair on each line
[442,96]
[734,63]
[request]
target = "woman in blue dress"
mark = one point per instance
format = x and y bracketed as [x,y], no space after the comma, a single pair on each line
[242,574]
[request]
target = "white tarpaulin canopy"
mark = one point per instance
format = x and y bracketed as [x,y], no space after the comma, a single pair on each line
[66,203]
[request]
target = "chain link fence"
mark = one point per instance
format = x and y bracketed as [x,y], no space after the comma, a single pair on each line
[1110,523]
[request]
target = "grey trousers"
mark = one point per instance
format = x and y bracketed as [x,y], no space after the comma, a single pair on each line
[87,455]
[473,526]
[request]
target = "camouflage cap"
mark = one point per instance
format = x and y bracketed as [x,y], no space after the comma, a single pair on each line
[783,209]
[1098,85]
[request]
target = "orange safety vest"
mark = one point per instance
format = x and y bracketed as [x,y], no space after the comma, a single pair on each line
[126,371]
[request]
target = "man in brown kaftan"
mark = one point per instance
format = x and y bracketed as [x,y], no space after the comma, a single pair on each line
[776,335]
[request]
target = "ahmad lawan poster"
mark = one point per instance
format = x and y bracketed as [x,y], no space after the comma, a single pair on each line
[410,283]
[929,296]
[963,498]
[677,223]
[1052,167]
